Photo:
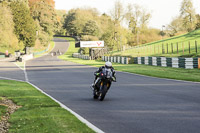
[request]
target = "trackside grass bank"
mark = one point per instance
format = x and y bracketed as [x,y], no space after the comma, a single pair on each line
[186,45]
[161,72]
[52,44]
[38,113]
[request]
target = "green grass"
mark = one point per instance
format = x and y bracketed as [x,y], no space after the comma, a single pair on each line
[155,71]
[39,113]
[155,48]
[52,44]
[2,110]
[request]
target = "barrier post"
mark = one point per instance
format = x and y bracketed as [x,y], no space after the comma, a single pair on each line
[198,63]
[196,46]
[189,46]
[177,47]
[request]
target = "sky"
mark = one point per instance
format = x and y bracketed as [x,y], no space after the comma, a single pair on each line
[162,11]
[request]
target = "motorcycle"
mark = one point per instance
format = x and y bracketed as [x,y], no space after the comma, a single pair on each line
[103,84]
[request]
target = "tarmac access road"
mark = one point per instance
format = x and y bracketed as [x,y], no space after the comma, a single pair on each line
[134,104]
[8,69]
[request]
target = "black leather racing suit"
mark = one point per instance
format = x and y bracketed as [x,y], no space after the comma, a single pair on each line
[99,71]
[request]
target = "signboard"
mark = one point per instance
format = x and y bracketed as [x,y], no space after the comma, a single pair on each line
[90,44]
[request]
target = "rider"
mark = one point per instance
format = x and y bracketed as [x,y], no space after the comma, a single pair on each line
[108,65]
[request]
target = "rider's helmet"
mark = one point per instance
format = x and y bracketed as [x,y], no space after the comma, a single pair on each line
[108,64]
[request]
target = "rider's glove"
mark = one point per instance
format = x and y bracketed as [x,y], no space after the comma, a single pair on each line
[96,74]
[114,79]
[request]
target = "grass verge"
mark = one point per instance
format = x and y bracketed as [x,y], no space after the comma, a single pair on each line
[52,44]
[2,110]
[182,45]
[161,72]
[39,113]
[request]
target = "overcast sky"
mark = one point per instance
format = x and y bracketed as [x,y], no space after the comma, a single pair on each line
[162,11]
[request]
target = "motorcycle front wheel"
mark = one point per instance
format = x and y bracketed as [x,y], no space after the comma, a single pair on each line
[95,95]
[103,93]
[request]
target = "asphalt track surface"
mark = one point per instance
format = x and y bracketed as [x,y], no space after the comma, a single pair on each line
[134,104]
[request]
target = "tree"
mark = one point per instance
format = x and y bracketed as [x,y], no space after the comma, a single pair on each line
[138,19]
[133,16]
[187,12]
[8,39]
[25,28]
[198,21]
[175,26]
[60,16]
[25,1]
[117,15]
[44,15]
[118,12]
[49,2]
[91,28]
[70,24]
[77,18]
[145,17]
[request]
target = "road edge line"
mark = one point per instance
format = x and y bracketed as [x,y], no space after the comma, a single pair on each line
[90,125]
[83,120]
[5,78]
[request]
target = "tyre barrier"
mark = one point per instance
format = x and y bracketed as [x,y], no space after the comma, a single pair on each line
[116,59]
[175,62]
[78,55]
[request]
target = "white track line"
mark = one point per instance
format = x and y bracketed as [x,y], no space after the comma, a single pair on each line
[90,125]
[24,70]
[12,79]
[83,120]
[71,111]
